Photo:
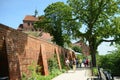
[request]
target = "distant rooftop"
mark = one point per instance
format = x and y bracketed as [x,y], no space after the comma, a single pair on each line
[46,36]
[30,18]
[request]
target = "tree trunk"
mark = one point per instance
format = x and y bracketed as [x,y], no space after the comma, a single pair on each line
[93,51]
[93,56]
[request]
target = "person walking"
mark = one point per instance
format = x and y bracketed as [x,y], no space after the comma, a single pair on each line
[74,64]
[87,62]
[83,62]
[77,62]
[67,62]
[80,62]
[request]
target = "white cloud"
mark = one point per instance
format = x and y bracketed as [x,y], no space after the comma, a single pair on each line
[105,48]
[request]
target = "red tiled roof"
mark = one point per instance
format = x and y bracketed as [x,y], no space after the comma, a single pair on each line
[30,18]
[46,36]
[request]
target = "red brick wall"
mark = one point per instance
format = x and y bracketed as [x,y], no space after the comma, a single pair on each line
[3,57]
[22,50]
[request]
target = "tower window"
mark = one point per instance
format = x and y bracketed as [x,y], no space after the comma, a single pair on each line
[32,24]
[28,24]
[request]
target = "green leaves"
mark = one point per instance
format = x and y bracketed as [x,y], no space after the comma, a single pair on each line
[111,61]
[99,18]
[96,17]
[58,22]
[77,49]
[57,10]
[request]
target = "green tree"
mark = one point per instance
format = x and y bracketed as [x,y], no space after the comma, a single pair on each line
[56,22]
[99,22]
[77,49]
[111,61]
[93,21]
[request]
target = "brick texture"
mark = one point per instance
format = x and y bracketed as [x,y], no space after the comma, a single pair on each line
[18,51]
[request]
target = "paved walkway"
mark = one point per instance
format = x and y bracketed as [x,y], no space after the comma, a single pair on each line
[79,74]
[117,78]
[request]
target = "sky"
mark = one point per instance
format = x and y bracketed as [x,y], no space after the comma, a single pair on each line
[12,12]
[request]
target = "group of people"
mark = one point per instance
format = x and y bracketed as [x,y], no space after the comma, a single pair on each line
[76,63]
[70,64]
[83,62]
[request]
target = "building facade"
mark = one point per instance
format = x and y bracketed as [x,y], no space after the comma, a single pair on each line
[28,23]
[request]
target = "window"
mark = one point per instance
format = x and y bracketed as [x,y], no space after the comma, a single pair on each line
[32,24]
[28,24]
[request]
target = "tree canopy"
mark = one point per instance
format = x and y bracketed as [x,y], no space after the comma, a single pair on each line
[57,24]
[93,21]
[98,17]
[111,61]
[77,49]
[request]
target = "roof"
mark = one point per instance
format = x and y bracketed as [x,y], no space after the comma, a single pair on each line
[30,18]
[20,27]
[46,36]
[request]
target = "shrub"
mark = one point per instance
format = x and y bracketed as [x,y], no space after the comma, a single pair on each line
[110,62]
[53,69]
[77,49]
[95,71]
[53,66]
[37,76]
